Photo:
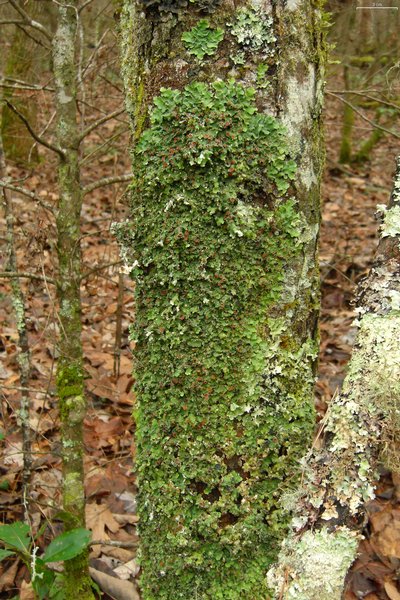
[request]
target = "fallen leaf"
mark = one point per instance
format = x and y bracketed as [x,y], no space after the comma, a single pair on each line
[99,519]
[391,590]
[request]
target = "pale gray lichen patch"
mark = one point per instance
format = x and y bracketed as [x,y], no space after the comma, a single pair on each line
[391,220]
[396,184]
[299,103]
[254,32]
[125,238]
[360,423]
[314,566]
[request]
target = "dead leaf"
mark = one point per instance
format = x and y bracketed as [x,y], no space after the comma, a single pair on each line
[99,519]
[114,587]
[391,590]
[131,569]
[26,592]
[8,577]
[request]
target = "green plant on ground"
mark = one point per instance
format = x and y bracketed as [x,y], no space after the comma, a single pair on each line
[18,541]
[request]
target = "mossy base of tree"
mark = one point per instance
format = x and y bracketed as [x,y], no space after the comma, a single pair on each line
[77,583]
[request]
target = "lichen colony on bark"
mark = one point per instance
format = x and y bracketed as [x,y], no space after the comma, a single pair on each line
[361,431]
[221,244]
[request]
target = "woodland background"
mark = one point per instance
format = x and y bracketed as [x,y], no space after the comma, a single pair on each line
[362,139]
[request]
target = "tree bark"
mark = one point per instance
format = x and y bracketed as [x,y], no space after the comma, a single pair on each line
[70,372]
[222,246]
[361,431]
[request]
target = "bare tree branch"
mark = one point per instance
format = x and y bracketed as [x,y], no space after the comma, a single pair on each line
[29,21]
[84,5]
[373,123]
[28,193]
[96,124]
[106,181]
[11,22]
[18,275]
[366,95]
[40,140]
[100,268]
[114,543]
[29,87]
[23,28]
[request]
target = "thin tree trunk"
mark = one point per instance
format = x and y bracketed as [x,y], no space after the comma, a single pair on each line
[222,245]
[70,373]
[18,301]
[361,430]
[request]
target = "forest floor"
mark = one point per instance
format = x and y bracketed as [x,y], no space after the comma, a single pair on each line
[348,241]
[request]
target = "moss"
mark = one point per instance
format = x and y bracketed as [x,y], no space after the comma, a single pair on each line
[223,385]
[77,583]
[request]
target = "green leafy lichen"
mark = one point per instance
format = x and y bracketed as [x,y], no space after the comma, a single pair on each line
[202,39]
[223,388]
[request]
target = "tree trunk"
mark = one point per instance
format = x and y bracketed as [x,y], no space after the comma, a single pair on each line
[361,430]
[70,372]
[222,246]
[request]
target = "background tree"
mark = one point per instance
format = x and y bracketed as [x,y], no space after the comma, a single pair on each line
[222,245]
[72,66]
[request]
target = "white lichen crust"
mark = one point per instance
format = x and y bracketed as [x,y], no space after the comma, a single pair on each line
[360,430]
[314,566]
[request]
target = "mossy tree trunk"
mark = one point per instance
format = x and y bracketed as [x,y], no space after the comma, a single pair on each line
[222,246]
[361,431]
[70,373]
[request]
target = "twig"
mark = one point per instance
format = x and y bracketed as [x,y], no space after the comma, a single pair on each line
[114,543]
[100,268]
[101,146]
[84,5]
[27,389]
[373,123]
[18,275]
[29,87]
[32,37]
[106,181]
[28,193]
[364,95]
[35,136]
[11,22]
[96,124]
[29,21]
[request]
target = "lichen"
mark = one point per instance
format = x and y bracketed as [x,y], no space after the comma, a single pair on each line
[202,39]
[314,566]
[253,30]
[223,387]
[391,220]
